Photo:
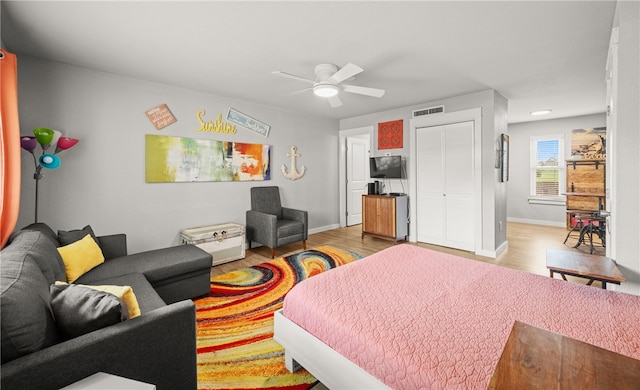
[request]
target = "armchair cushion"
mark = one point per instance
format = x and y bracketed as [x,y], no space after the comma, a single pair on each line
[266,200]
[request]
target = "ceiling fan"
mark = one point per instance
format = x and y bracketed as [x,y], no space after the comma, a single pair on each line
[328,82]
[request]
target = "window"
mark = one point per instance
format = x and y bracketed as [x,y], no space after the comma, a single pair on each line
[547,170]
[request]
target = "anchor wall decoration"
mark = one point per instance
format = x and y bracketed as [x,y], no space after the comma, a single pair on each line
[294,174]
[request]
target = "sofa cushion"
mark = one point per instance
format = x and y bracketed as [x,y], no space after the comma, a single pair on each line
[125,293]
[80,257]
[44,229]
[146,296]
[78,309]
[27,324]
[71,236]
[40,249]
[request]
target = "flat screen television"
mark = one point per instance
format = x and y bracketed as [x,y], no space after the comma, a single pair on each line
[385,167]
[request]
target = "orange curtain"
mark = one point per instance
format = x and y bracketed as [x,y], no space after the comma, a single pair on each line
[9,146]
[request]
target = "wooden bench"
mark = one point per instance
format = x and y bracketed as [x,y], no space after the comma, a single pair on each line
[591,267]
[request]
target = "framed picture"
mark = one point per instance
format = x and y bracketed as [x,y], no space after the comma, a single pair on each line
[504,157]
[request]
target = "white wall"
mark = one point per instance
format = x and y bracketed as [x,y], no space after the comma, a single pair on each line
[494,122]
[626,193]
[101,181]
[518,207]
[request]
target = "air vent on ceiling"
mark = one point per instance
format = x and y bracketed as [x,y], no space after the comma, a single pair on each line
[428,111]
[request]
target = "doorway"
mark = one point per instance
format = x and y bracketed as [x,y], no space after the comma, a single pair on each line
[355,149]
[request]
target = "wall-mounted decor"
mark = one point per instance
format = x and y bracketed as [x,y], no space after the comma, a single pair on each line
[293,174]
[390,135]
[161,116]
[179,159]
[217,126]
[504,153]
[247,122]
[589,144]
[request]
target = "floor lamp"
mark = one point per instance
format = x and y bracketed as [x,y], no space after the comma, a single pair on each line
[45,137]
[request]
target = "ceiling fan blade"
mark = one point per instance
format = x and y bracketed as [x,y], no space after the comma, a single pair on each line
[346,72]
[375,92]
[334,101]
[293,76]
[300,91]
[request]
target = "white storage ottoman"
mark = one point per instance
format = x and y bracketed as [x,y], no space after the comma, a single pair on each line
[225,242]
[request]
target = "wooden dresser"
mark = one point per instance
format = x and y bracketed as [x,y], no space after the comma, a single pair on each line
[385,216]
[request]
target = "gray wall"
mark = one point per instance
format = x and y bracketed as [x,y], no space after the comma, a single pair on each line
[494,122]
[101,181]
[518,207]
[626,152]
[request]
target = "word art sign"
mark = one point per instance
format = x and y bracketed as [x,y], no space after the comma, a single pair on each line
[247,122]
[217,126]
[161,116]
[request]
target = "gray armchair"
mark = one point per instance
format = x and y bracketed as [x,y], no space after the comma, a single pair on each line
[272,225]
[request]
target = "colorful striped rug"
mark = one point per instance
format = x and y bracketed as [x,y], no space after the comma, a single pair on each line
[234,323]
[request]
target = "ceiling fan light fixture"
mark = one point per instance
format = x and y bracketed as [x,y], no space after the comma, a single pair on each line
[325,90]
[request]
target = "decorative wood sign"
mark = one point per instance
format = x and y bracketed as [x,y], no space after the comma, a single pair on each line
[390,135]
[247,122]
[180,159]
[217,126]
[161,116]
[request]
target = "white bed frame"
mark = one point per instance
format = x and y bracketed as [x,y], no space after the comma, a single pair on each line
[333,370]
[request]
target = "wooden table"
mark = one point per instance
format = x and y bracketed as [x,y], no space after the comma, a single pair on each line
[590,267]
[535,358]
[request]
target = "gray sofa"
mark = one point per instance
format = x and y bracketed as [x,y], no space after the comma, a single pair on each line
[157,347]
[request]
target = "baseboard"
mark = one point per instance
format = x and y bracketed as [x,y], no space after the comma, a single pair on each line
[324,228]
[537,222]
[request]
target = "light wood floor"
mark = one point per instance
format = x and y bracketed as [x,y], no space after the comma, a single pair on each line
[526,252]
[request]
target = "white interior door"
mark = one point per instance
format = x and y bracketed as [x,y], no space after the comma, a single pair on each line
[458,161]
[445,185]
[357,177]
[430,189]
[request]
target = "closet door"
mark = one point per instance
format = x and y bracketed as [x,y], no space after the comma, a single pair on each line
[430,206]
[445,182]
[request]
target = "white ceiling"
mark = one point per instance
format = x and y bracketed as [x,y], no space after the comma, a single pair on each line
[538,54]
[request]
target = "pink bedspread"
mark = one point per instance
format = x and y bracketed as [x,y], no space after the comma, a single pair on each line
[416,318]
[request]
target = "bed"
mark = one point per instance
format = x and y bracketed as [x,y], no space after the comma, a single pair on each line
[409,317]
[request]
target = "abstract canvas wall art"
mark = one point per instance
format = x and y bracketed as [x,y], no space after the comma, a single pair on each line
[180,159]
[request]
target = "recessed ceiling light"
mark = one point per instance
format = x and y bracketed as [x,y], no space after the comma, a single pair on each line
[541,112]
[325,90]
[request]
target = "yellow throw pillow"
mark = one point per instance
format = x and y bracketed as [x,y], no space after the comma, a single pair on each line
[80,256]
[125,293]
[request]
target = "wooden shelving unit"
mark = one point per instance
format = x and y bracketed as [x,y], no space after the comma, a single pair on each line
[585,186]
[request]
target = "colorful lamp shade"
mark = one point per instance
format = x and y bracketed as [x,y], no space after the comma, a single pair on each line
[44,136]
[65,143]
[28,143]
[49,161]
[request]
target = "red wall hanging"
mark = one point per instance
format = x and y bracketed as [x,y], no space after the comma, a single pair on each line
[390,135]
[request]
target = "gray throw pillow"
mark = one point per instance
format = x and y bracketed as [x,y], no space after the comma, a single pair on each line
[78,310]
[71,236]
